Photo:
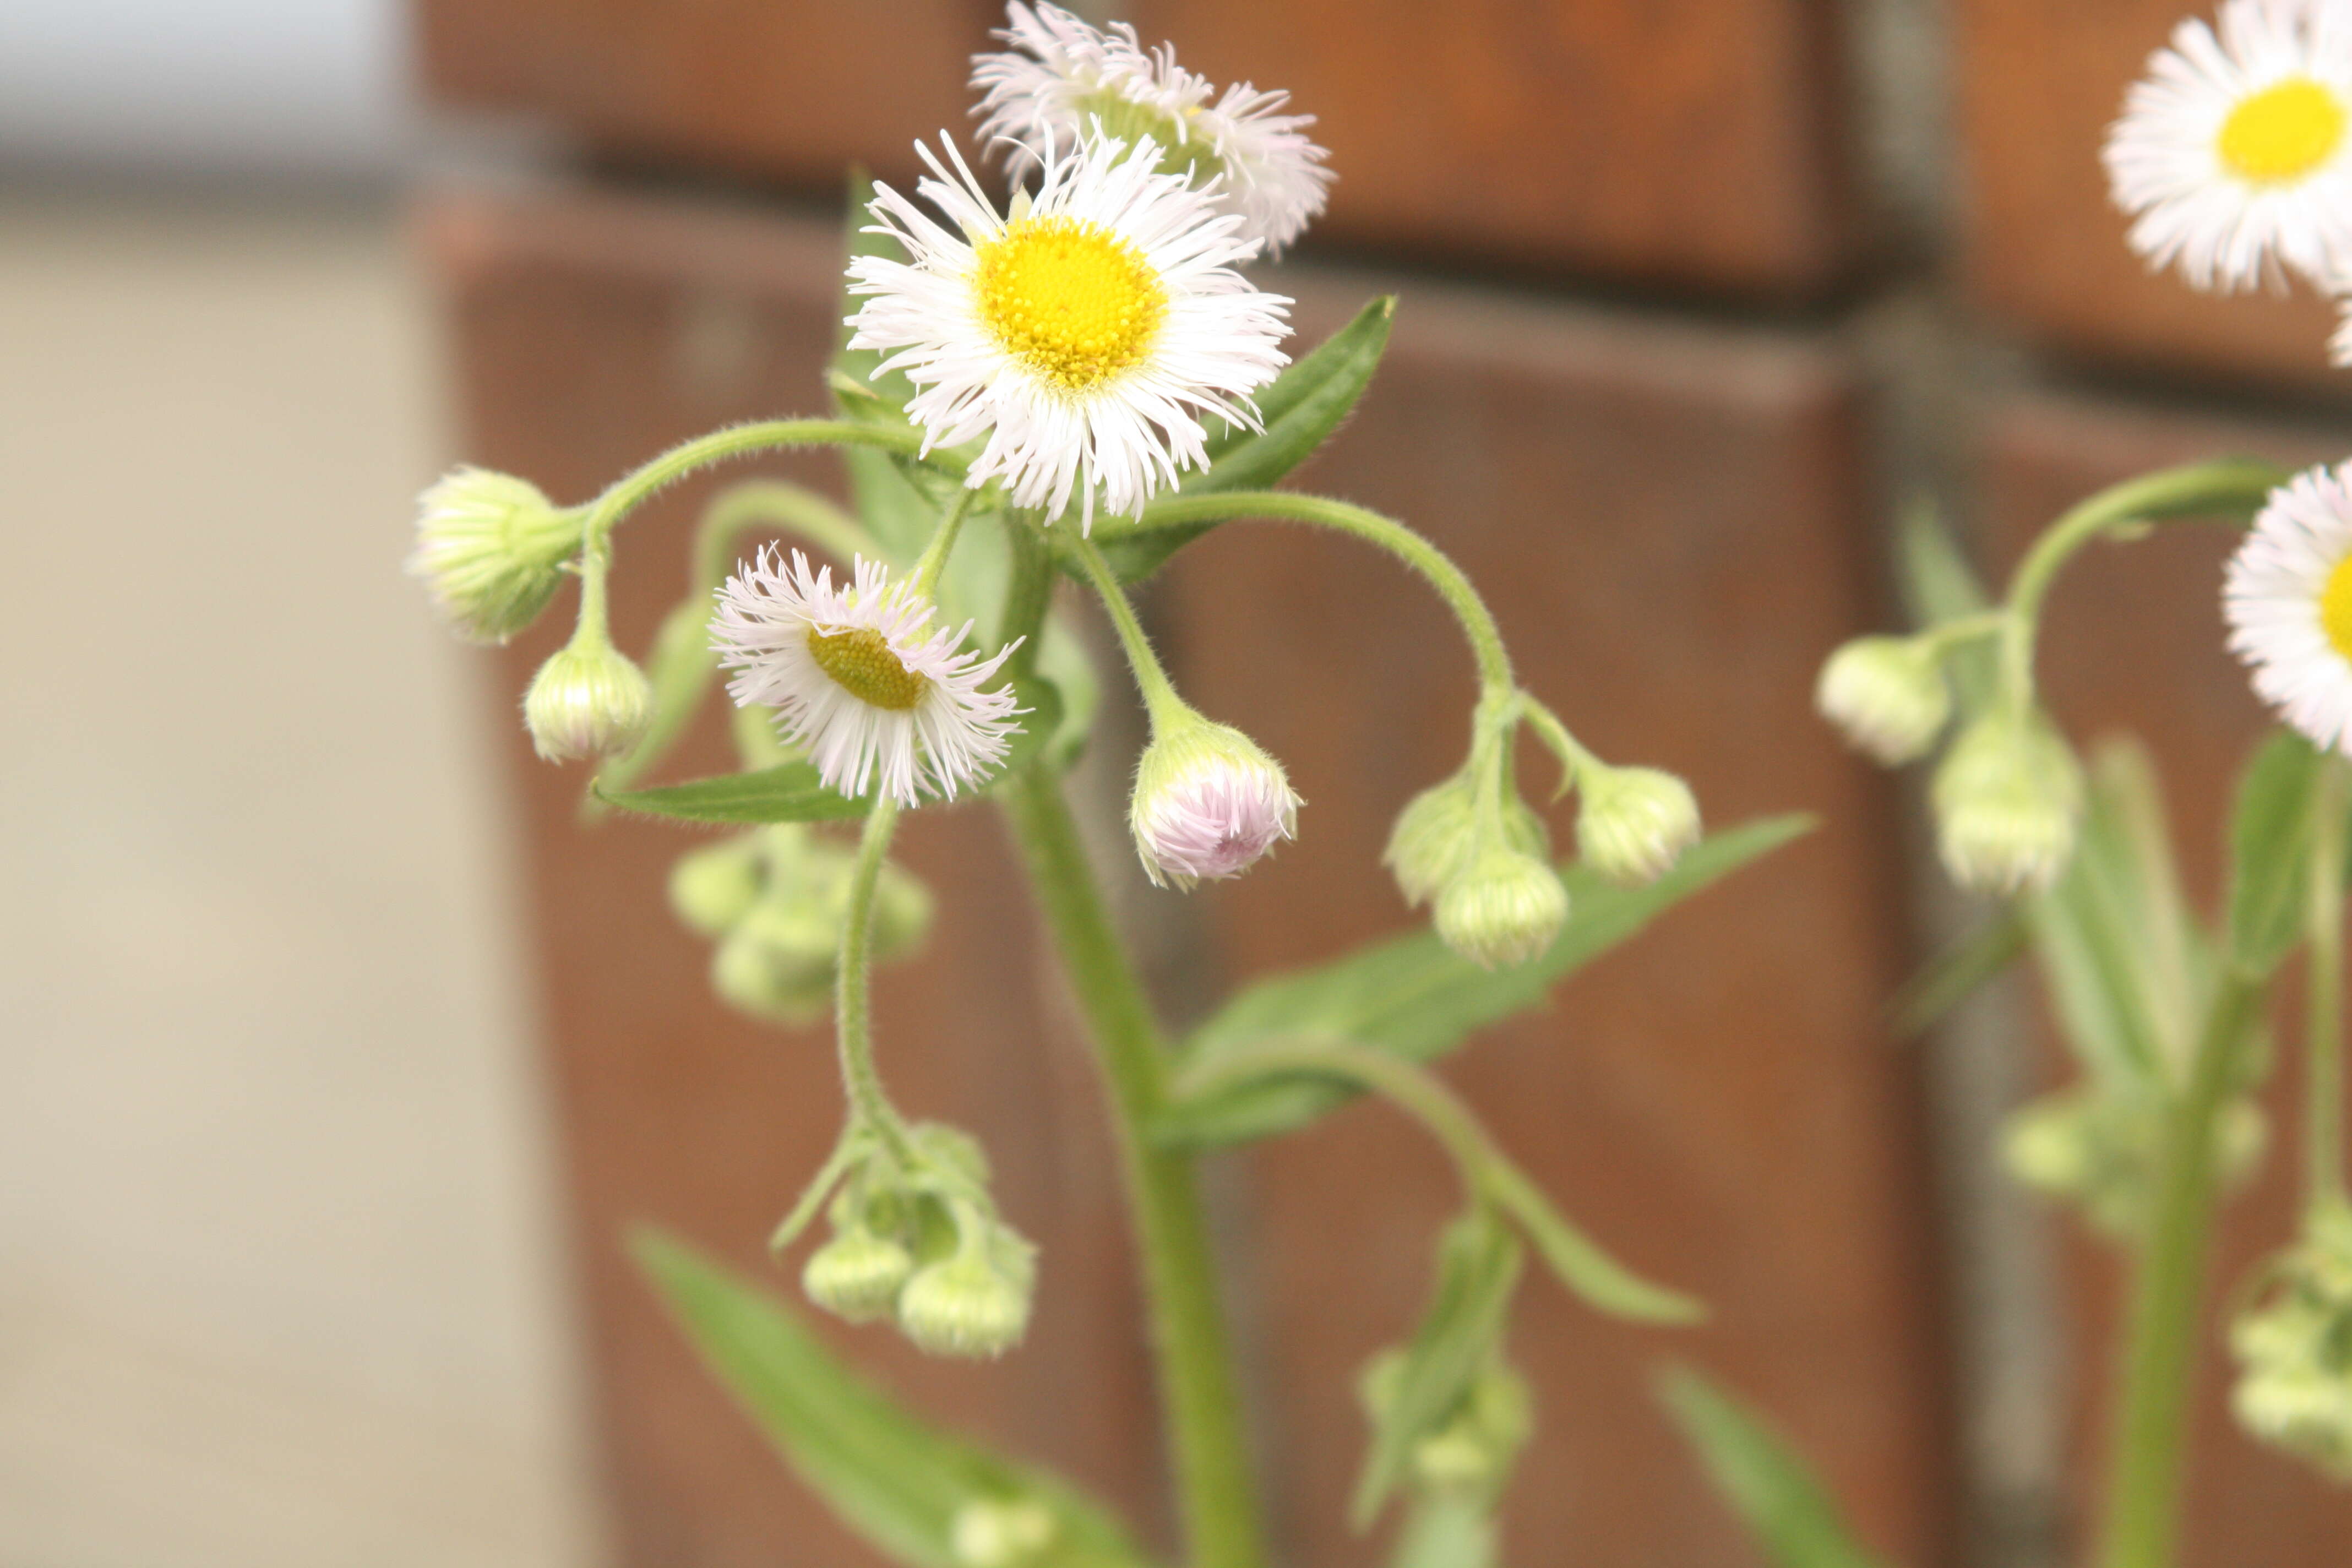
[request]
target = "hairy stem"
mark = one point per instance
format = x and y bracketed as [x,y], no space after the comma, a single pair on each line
[2323,1090]
[632,490]
[1216,1493]
[869,1104]
[2143,1499]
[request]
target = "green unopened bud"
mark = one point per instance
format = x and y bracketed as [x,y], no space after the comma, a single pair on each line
[2294,1350]
[1504,909]
[1888,695]
[994,1533]
[1634,823]
[975,1301]
[778,961]
[1437,832]
[587,700]
[712,888]
[1207,802]
[856,1275]
[1476,1448]
[2007,798]
[490,550]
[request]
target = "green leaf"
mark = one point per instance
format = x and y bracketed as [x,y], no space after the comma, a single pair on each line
[1953,974]
[1477,1268]
[1299,410]
[1773,1490]
[897,1482]
[792,791]
[1576,1261]
[2270,834]
[1939,585]
[1410,995]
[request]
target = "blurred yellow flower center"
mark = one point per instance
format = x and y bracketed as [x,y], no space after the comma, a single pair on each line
[860,659]
[2282,132]
[2336,608]
[1071,299]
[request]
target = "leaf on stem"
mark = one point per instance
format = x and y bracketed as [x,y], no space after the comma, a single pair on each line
[1785,1507]
[2270,842]
[914,1492]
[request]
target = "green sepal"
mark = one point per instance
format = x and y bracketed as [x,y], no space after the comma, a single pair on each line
[2270,846]
[1477,1268]
[900,1484]
[1787,1510]
[1299,410]
[1410,995]
[792,791]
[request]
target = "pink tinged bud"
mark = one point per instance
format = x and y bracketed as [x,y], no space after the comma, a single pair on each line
[1208,802]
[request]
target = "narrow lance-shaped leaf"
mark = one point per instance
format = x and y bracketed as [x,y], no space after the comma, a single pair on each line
[1410,995]
[1787,1510]
[909,1490]
[2269,843]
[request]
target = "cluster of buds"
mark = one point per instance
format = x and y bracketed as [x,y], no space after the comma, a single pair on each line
[2097,1148]
[774,899]
[2293,1349]
[921,1243]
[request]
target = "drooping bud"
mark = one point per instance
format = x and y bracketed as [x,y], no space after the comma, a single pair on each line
[2007,799]
[490,550]
[1634,823]
[973,1302]
[1207,802]
[1888,695]
[587,700]
[1504,907]
[712,888]
[856,1275]
[2294,1350]
[1002,1532]
[1437,831]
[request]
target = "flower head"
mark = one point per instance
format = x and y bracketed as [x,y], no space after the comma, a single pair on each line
[1503,908]
[1207,802]
[859,679]
[587,700]
[2234,152]
[1634,823]
[1887,696]
[2007,798]
[1062,75]
[1083,335]
[2288,599]
[490,550]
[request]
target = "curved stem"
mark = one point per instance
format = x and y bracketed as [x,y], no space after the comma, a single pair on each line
[2323,1090]
[2143,1498]
[1478,626]
[1150,679]
[1216,1494]
[869,1104]
[632,490]
[2230,487]
[926,575]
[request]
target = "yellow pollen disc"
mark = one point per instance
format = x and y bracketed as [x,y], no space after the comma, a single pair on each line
[2335,608]
[860,659]
[1072,300]
[2282,132]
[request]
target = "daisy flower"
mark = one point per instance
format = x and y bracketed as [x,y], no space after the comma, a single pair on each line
[2288,597]
[1084,334]
[1061,75]
[859,680]
[2233,155]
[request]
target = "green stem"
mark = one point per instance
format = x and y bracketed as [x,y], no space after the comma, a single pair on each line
[634,488]
[1478,626]
[1028,595]
[869,1104]
[2143,1499]
[593,630]
[1159,692]
[926,575]
[2231,487]
[1216,1492]
[2323,1088]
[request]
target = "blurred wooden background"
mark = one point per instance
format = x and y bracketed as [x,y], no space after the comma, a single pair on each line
[1692,294]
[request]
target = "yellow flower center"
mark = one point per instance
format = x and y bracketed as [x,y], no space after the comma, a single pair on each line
[2282,132]
[2335,608]
[860,659]
[1069,298]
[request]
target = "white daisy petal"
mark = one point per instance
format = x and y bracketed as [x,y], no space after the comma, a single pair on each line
[1084,337]
[1062,75]
[2234,152]
[858,679]
[2288,597]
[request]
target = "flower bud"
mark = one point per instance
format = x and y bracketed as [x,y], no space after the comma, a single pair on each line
[1504,909]
[778,961]
[1887,694]
[994,1533]
[1634,823]
[712,888]
[2007,799]
[1438,829]
[1207,802]
[968,1303]
[856,1275]
[2294,1350]
[490,550]
[587,700]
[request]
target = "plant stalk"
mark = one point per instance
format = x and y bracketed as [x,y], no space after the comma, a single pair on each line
[1216,1493]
